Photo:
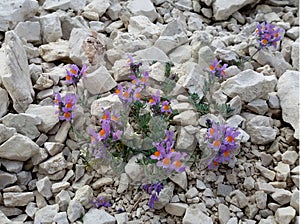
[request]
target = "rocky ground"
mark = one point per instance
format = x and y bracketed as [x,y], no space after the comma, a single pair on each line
[43,178]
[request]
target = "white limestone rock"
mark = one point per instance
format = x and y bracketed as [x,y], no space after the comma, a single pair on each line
[258,106]
[55,51]
[194,215]
[111,102]
[54,5]
[17,11]
[14,72]
[98,6]
[295,54]
[181,54]
[124,183]
[177,209]
[24,124]
[285,215]
[30,31]
[53,164]
[4,103]
[51,28]
[46,214]
[99,81]
[12,199]
[143,7]
[288,93]
[224,9]
[87,47]
[6,133]
[249,85]
[6,179]
[142,25]
[152,54]
[282,196]
[75,210]
[44,187]
[18,147]
[98,216]
[84,195]
[174,35]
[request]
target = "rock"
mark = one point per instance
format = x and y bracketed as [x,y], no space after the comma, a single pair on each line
[249,85]
[172,36]
[63,199]
[177,209]
[188,117]
[293,33]
[4,102]
[185,141]
[46,114]
[54,5]
[258,106]
[134,171]
[295,200]
[61,218]
[99,81]
[295,54]
[164,196]
[261,199]
[51,27]
[23,123]
[31,209]
[30,31]
[266,159]
[269,174]
[46,214]
[6,179]
[86,47]
[55,51]
[114,9]
[53,164]
[223,9]
[224,213]
[283,171]
[42,83]
[121,218]
[285,215]
[191,193]
[111,102]
[123,184]
[12,199]
[58,187]
[84,195]
[273,101]
[75,210]
[102,182]
[180,179]
[12,166]
[152,54]
[181,54]
[142,25]
[98,216]
[98,6]
[53,147]
[233,220]
[288,93]
[289,157]
[200,185]
[268,188]
[142,7]
[11,148]
[44,187]
[194,215]
[14,74]
[224,190]
[62,132]
[236,104]
[260,129]
[282,196]
[11,14]
[249,183]
[239,199]
[6,133]
[205,56]
[3,218]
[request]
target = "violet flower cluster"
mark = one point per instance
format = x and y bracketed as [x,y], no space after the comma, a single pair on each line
[217,69]
[267,35]
[108,134]
[157,106]
[100,202]
[153,190]
[74,74]
[166,155]
[222,140]
[66,105]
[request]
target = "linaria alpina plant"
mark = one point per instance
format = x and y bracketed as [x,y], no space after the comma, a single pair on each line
[153,190]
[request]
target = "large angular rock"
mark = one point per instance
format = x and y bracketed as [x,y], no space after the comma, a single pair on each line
[14,72]
[75,210]
[12,199]
[64,4]
[177,209]
[173,36]
[17,11]
[111,102]
[87,47]
[285,215]
[143,7]
[46,214]
[99,81]
[6,133]
[6,179]
[194,215]
[249,85]
[223,9]
[295,54]
[288,93]
[96,216]
[261,130]
[4,102]
[142,25]
[30,31]
[152,54]
[55,51]
[18,147]
[98,6]
[46,114]
[24,124]
[51,27]
[53,165]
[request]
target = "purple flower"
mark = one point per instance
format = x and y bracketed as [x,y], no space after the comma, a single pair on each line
[137,94]
[216,69]
[165,107]
[66,105]
[74,75]
[267,35]
[153,190]
[117,135]
[155,99]
[105,130]
[99,202]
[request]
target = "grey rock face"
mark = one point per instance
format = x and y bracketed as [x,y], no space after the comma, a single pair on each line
[51,27]
[75,210]
[6,179]
[4,102]
[12,199]
[194,215]
[46,214]
[15,72]
[143,7]
[288,93]
[6,133]
[53,165]
[96,216]
[30,31]
[54,51]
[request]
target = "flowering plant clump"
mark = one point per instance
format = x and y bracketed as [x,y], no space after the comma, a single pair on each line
[66,105]
[217,69]
[221,139]
[100,202]
[153,190]
[267,35]
[74,74]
